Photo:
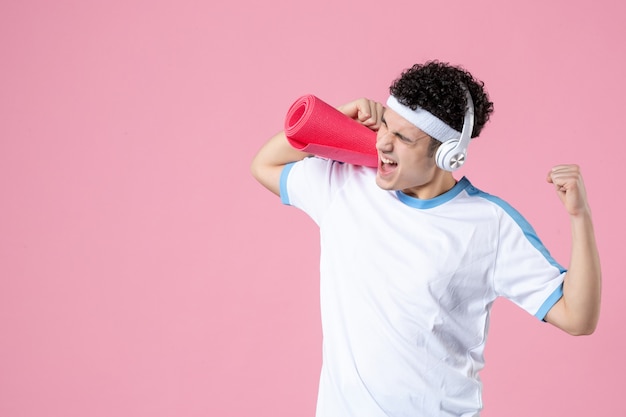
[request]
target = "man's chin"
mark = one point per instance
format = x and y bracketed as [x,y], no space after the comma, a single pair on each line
[384,184]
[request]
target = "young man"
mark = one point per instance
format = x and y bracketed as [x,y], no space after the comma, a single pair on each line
[412,259]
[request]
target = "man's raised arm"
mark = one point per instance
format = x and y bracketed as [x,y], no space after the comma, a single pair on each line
[577,312]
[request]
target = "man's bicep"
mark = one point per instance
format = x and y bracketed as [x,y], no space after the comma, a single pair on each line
[556,315]
[269,177]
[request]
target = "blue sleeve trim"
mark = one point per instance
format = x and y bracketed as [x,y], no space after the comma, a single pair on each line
[284,196]
[550,302]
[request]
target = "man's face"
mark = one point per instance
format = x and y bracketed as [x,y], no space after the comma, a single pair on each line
[403,160]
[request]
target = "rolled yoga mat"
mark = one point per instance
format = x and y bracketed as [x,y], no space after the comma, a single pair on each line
[314,126]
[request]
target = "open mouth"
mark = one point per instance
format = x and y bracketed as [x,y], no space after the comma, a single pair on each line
[387,165]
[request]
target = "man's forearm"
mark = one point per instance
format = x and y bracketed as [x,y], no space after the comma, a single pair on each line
[582,287]
[577,312]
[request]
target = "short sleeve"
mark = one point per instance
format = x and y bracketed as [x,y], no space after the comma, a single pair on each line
[525,272]
[310,184]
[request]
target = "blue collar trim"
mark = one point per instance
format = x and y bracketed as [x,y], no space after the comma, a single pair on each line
[437,201]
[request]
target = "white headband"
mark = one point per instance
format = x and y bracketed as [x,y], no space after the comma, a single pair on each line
[424,120]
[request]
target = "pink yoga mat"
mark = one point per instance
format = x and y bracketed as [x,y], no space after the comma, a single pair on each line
[315,127]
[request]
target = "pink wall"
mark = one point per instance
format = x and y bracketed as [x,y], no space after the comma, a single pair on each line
[144,273]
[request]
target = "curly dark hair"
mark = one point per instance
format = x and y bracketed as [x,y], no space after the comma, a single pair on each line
[437,87]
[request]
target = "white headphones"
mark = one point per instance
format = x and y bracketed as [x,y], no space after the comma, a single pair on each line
[451,154]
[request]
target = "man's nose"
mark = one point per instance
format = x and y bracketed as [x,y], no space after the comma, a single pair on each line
[384,141]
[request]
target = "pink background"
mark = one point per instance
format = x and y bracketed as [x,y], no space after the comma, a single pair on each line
[144,273]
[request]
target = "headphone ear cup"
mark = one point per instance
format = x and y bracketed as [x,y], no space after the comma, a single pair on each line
[445,153]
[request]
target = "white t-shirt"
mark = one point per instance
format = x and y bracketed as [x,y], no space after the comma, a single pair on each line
[407,286]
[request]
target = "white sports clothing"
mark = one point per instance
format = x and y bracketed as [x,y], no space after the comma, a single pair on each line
[407,286]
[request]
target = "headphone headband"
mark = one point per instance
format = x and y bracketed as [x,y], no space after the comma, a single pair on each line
[468,120]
